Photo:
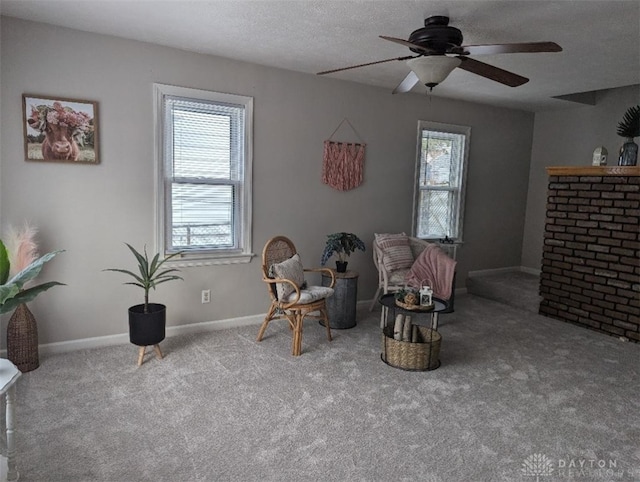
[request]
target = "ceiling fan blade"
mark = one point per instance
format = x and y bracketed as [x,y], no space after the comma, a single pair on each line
[531,47]
[406,43]
[491,72]
[407,84]
[364,65]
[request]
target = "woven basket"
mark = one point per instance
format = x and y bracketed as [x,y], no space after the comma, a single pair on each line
[22,339]
[419,356]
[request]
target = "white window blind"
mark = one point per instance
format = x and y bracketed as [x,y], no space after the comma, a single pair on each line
[442,153]
[204,183]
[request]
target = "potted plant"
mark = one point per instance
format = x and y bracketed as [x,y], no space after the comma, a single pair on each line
[147,321]
[341,244]
[22,329]
[629,127]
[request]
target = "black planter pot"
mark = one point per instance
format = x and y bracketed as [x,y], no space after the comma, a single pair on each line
[341,266]
[147,328]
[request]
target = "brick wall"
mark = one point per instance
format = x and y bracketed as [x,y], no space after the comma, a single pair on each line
[591,255]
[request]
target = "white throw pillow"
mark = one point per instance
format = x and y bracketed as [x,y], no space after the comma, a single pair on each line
[290,269]
[396,251]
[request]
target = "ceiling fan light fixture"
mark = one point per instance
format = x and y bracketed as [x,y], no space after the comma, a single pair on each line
[433,69]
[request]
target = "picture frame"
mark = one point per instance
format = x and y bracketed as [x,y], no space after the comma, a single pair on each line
[58,129]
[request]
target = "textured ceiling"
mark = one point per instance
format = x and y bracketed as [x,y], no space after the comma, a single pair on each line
[600,39]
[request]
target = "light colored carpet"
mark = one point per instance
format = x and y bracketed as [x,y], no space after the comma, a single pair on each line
[221,407]
[514,288]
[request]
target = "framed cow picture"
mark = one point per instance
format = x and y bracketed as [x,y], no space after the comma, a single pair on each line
[60,130]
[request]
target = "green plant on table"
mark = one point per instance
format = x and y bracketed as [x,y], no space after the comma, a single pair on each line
[341,244]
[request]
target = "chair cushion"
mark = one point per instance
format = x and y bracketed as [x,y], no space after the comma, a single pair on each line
[396,251]
[398,277]
[310,294]
[290,269]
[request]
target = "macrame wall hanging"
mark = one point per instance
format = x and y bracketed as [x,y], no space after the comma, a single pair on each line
[343,162]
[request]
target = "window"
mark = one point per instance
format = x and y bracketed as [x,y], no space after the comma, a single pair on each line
[440,180]
[204,174]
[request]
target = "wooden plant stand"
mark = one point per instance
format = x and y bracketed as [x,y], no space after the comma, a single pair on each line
[141,353]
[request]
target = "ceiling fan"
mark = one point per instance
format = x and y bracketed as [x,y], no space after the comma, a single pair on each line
[436,41]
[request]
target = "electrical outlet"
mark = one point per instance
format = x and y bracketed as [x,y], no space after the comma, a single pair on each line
[206,296]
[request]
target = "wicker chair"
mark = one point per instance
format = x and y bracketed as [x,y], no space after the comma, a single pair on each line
[301,301]
[392,281]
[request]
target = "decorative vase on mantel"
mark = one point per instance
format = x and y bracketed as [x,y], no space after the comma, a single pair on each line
[629,127]
[22,339]
[628,153]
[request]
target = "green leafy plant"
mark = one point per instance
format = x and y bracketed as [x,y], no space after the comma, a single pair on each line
[12,290]
[151,273]
[629,126]
[341,244]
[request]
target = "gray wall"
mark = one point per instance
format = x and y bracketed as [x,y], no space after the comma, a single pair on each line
[568,138]
[90,210]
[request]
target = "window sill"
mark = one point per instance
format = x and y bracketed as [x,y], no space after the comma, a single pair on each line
[439,241]
[191,261]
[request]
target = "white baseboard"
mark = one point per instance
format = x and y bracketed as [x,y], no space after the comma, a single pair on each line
[508,269]
[205,326]
[532,271]
[123,338]
[484,272]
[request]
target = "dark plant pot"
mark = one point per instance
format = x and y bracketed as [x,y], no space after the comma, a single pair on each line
[147,328]
[341,266]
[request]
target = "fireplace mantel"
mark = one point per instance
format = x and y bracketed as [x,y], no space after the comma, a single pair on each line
[593,171]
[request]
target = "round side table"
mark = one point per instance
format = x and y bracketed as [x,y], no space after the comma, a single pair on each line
[388,303]
[341,306]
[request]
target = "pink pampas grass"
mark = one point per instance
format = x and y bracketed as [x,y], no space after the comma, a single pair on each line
[22,247]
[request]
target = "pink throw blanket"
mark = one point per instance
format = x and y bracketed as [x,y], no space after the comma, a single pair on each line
[435,268]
